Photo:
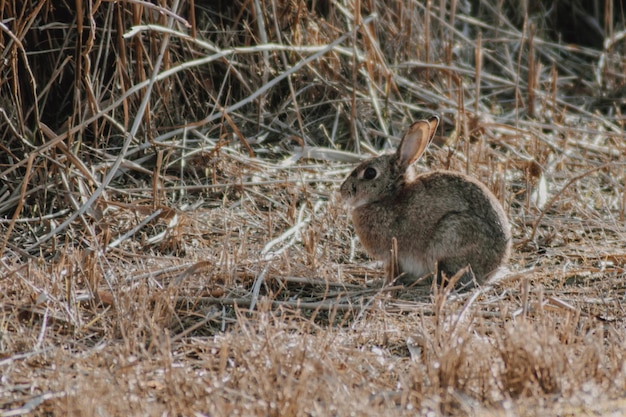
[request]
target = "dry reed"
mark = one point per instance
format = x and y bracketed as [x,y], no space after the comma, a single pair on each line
[171,241]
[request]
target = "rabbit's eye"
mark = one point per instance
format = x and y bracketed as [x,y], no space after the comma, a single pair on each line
[370,173]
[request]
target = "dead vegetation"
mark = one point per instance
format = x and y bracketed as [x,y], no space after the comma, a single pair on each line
[171,242]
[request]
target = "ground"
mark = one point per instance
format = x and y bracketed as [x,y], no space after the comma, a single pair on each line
[215,270]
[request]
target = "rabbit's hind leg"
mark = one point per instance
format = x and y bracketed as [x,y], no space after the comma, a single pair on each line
[460,240]
[450,267]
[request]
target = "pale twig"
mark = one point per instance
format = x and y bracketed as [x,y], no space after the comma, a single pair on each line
[135,229]
[557,196]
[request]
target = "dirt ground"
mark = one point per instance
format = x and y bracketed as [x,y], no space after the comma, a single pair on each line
[172,241]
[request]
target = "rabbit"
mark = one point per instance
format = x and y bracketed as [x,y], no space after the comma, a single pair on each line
[441,220]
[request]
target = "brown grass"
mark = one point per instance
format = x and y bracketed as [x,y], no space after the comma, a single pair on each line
[171,242]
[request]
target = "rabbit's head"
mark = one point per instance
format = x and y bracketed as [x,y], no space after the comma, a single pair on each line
[383,177]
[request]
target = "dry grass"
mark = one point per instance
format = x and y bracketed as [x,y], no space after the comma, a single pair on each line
[171,242]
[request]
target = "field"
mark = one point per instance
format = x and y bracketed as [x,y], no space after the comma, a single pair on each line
[172,241]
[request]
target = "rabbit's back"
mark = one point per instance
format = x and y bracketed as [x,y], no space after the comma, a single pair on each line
[437,193]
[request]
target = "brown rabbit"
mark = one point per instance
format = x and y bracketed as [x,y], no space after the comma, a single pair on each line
[439,218]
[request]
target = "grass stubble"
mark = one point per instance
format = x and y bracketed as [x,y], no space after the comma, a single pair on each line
[172,242]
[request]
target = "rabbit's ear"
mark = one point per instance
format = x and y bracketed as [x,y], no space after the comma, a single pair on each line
[416,140]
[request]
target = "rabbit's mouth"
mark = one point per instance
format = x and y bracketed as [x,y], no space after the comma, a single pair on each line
[347,201]
[347,205]
[351,202]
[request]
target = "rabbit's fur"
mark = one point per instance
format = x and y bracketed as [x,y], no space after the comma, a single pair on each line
[439,218]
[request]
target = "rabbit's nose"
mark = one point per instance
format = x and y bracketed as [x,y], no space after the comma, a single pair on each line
[347,190]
